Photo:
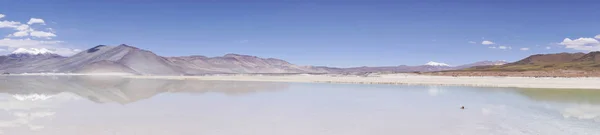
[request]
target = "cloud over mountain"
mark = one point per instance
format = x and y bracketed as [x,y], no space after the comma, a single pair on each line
[23,35]
[581,44]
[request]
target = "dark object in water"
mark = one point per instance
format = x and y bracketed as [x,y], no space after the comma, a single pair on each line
[463,107]
[6,73]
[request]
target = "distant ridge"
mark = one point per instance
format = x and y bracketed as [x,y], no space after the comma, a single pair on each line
[550,62]
[427,67]
[549,58]
[539,65]
[590,57]
[125,59]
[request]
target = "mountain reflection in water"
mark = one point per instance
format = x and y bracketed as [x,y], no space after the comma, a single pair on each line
[123,90]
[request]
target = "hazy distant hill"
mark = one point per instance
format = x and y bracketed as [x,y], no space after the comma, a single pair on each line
[125,59]
[113,59]
[428,67]
[482,63]
[27,60]
[236,63]
[132,60]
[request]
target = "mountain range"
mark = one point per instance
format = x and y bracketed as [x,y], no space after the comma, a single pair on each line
[549,62]
[539,65]
[125,59]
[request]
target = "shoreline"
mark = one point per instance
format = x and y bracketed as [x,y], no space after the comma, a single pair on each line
[404,79]
[394,79]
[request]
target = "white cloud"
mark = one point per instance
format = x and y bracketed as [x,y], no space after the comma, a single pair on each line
[582,44]
[472,42]
[23,30]
[502,47]
[2,16]
[19,34]
[524,49]
[486,42]
[28,43]
[492,47]
[42,34]
[36,20]
[9,24]
[597,36]
[32,38]
[23,27]
[548,47]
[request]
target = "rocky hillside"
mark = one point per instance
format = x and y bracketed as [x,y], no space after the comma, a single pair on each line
[540,65]
[550,62]
[541,59]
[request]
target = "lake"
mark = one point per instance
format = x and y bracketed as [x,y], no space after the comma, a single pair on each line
[83,105]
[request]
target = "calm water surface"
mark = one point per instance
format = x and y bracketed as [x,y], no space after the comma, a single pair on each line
[119,106]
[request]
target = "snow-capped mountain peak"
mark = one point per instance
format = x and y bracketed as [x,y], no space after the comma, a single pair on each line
[431,63]
[32,51]
[500,62]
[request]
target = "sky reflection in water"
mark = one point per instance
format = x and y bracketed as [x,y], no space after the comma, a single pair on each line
[118,106]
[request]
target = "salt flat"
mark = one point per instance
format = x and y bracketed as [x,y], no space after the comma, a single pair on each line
[401,78]
[410,79]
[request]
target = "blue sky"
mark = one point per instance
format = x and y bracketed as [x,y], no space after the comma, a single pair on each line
[327,33]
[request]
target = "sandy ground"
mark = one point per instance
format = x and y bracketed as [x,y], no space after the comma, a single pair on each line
[411,79]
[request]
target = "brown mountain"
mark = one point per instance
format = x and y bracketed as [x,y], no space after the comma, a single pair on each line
[550,62]
[590,57]
[549,58]
[540,65]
